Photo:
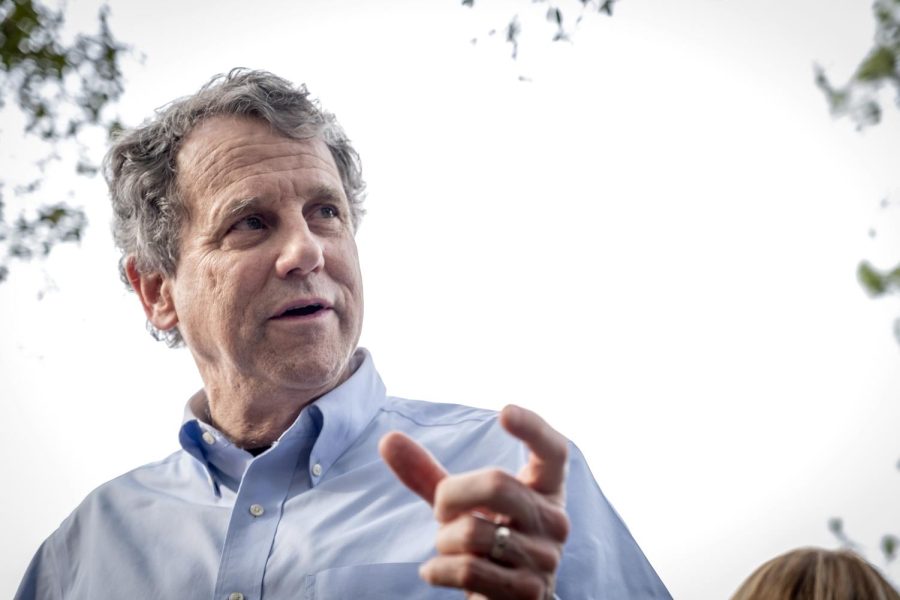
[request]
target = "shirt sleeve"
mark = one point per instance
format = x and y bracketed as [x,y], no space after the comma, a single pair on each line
[600,558]
[41,580]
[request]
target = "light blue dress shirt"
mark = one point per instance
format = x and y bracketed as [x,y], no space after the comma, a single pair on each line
[318,515]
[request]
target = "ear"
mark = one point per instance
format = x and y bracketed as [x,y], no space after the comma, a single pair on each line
[155,293]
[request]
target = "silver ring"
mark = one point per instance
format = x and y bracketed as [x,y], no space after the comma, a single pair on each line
[501,539]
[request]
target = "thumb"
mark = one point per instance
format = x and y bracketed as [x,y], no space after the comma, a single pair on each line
[548,459]
[412,464]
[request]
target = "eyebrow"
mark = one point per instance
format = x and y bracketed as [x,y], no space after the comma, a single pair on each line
[327,193]
[240,206]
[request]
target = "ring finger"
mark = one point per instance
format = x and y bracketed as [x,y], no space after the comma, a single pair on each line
[468,534]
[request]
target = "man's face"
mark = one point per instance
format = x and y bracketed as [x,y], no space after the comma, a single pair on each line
[268,286]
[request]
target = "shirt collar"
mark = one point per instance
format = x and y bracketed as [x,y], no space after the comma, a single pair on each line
[345,412]
[335,420]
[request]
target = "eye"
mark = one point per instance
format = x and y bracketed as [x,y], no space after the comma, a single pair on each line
[328,212]
[251,223]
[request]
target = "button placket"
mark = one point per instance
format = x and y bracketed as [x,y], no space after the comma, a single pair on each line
[254,521]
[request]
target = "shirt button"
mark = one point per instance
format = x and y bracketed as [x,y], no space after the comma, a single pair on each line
[256,510]
[235,596]
[209,438]
[317,470]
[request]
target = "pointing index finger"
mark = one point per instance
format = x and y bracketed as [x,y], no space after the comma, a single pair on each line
[412,464]
[548,460]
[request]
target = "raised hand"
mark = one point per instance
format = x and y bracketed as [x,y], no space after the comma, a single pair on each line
[500,536]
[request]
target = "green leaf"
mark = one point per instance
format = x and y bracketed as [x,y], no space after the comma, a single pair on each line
[836,526]
[513,30]
[512,34]
[838,98]
[554,14]
[889,546]
[85,168]
[880,64]
[54,216]
[871,280]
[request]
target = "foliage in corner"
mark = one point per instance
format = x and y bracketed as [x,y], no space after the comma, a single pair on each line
[878,283]
[860,98]
[554,14]
[61,88]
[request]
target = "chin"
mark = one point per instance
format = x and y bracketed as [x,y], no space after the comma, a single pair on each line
[320,370]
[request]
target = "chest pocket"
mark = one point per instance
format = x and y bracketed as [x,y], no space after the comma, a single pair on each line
[377,581]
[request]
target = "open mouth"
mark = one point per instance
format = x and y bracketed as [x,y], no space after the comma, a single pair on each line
[302,311]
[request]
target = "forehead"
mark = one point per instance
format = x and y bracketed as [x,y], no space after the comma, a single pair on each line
[227,153]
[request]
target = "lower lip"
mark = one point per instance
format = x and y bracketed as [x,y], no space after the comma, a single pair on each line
[310,318]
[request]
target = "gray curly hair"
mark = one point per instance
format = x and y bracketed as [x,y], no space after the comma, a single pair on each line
[148,210]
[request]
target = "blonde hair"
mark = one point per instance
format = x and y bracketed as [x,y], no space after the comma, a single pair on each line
[816,574]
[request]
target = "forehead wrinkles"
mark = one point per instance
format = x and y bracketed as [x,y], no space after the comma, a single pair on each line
[214,161]
[225,162]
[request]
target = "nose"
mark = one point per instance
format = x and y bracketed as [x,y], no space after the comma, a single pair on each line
[301,251]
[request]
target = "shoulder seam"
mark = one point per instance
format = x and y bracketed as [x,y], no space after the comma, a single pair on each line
[484,419]
[174,457]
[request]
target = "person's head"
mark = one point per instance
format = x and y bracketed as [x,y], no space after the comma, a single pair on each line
[235,211]
[149,205]
[816,574]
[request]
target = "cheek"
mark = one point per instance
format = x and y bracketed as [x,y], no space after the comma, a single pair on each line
[342,267]
[215,288]
[234,288]
[211,278]
[345,269]
[356,290]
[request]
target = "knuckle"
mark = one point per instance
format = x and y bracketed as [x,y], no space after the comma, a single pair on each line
[545,557]
[553,521]
[428,575]
[497,481]
[564,527]
[440,490]
[531,587]
[441,493]
[444,541]
[468,572]
[470,533]
[554,557]
[559,524]
[547,548]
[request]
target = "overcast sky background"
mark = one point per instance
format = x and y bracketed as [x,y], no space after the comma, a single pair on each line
[651,240]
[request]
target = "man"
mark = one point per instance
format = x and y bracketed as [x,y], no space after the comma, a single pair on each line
[235,210]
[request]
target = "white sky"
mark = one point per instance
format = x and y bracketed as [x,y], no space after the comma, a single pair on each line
[652,242]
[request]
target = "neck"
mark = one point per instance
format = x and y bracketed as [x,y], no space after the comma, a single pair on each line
[253,415]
